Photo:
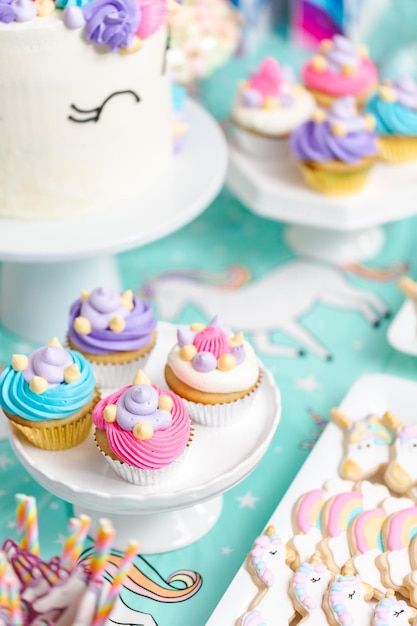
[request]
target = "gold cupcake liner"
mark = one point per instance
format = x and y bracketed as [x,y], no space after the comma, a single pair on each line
[397,149]
[334,181]
[59,437]
[326,100]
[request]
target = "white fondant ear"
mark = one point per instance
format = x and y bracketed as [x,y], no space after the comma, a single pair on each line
[38,384]
[110,413]
[142,430]
[19,362]
[141,378]
[117,324]
[82,325]
[71,373]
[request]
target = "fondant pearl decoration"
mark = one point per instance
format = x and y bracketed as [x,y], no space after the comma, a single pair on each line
[73,18]
[25,10]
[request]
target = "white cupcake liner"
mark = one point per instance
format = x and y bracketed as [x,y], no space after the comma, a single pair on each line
[144,477]
[259,146]
[115,375]
[220,415]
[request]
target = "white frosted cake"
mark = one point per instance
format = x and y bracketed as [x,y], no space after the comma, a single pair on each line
[85,116]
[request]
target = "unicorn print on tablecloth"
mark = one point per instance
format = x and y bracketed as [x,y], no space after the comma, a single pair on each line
[346,600]
[267,564]
[337,515]
[276,302]
[392,612]
[307,588]
[366,443]
[401,473]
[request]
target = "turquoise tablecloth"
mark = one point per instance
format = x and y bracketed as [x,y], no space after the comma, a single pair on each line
[228,234]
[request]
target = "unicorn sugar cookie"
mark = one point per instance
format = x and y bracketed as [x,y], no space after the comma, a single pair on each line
[346,600]
[307,588]
[401,473]
[306,521]
[367,445]
[365,543]
[392,612]
[267,564]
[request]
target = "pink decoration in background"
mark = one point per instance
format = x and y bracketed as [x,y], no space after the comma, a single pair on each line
[267,81]
[153,15]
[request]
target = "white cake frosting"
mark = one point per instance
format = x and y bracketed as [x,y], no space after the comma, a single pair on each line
[56,161]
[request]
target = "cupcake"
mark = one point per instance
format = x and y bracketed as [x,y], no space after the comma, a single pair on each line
[395,111]
[267,108]
[214,372]
[49,395]
[336,149]
[142,431]
[340,69]
[115,332]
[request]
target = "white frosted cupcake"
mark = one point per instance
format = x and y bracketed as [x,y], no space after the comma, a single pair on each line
[215,373]
[267,108]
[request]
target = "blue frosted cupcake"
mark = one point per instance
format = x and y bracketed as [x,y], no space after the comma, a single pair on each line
[395,110]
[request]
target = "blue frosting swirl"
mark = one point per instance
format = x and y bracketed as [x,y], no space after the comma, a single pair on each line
[393,118]
[55,403]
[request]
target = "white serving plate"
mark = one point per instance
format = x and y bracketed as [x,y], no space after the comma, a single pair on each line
[373,393]
[402,332]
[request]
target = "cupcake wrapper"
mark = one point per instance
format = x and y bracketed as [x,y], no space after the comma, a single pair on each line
[115,375]
[259,146]
[395,149]
[143,477]
[220,415]
[335,183]
[59,437]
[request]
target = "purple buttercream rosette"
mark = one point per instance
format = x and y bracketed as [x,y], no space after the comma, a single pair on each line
[112,22]
[7,12]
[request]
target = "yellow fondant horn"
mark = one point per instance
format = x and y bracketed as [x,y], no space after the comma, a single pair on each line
[38,384]
[141,378]
[237,339]
[54,342]
[82,325]
[85,295]
[142,430]
[71,373]
[117,324]
[126,299]
[165,402]
[110,413]
[19,362]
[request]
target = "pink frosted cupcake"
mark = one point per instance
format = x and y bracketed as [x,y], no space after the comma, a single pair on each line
[340,69]
[142,431]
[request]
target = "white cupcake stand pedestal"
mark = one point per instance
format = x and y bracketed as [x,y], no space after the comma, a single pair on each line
[185,506]
[402,332]
[332,228]
[46,263]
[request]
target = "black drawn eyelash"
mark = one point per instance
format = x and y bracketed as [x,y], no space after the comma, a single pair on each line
[98,110]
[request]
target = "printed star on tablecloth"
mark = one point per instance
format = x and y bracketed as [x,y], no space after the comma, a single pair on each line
[61,539]
[227,550]
[5,460]
[11,524]
[309,383]
[54,505]
[247,501]
[358,345]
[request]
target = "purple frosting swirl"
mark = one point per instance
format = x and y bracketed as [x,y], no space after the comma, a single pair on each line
[112,22]
[140,322]
[139,403]
[315,141]
[343,52]
[7,12]
[406,91]
[48,362]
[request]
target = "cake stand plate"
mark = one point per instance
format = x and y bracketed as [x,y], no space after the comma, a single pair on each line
[402,332]
[182,508]
[46,263]
[332,228]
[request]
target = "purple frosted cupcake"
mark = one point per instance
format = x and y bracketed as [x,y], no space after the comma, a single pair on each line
[115,332]
[337,148]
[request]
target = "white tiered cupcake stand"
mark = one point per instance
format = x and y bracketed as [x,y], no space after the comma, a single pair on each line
[46,263]
[188,504]
[402,333]
[332,228]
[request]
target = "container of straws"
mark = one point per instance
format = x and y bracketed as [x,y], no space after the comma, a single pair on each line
[71,587]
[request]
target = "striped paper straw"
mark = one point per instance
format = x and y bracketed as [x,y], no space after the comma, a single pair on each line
[3,585]
[102,546]
[107,604]
[15,610]
[69,552]
[27,523]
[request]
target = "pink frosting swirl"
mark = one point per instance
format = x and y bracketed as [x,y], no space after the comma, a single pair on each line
[212,339]
[163,448]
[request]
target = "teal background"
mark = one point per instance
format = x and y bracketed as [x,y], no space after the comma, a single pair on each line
[226,234]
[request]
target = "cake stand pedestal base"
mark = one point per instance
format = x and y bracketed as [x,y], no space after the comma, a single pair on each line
[335,246]
[35,297]
[159,532]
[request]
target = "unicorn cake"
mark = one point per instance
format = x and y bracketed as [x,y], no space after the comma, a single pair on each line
[85,104]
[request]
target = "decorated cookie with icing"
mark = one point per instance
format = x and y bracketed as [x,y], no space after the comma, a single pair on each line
[270,105]
[365,544]
[346,601]
[306,522]
[215,372]
[307,588]
[267,565]
[142,430]
[392,612]
[340,68]
[401,473]
[366,445]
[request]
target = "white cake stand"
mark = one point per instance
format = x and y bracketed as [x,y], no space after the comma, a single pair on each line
[331,228]
[402,332]
[46,263]
[181,509]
